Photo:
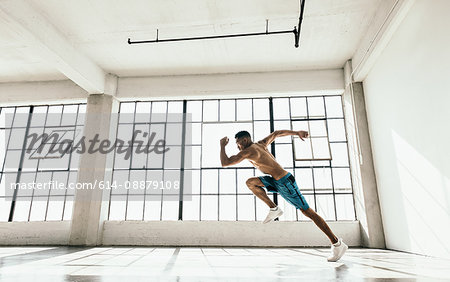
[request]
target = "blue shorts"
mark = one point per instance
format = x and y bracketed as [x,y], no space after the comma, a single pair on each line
[287,188]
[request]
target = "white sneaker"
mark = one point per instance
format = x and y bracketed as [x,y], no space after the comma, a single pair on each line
[273,214]
[337,251]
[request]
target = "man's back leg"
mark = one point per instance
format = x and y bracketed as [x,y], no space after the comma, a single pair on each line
[338,248]
[320,222]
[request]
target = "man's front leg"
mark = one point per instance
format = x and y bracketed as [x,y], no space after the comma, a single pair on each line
[255,185]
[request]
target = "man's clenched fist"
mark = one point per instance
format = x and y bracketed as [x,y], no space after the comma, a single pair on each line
[224,141]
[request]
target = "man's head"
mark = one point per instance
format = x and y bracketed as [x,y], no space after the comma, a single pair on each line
[243,139]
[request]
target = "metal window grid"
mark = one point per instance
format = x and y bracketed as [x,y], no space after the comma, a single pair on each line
[37,170]
[313,165]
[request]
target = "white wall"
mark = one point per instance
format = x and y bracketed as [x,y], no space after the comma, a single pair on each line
[408,107]
[226,233]
[184,233]
[34,233]
[232,85]
[42,92]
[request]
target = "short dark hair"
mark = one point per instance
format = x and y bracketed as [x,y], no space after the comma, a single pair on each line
[241,134]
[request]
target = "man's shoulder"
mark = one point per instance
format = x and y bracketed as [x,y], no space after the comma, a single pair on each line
[262,142]
[255,149]
[250,149]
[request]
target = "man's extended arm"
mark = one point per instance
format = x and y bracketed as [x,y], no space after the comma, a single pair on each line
[280,133]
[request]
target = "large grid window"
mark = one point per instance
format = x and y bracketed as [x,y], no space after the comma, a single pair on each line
[320,164]
[221,193]
[32,167]
[148,204]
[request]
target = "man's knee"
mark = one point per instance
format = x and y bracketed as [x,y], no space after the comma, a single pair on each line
[253,182]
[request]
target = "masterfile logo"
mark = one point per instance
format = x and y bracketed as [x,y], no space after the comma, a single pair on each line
[42,155]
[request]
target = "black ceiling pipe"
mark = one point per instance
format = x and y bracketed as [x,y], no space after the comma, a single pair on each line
[295,31]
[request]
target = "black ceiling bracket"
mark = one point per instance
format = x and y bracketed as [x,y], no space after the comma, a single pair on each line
[296,36]
[300,20]
[296,32]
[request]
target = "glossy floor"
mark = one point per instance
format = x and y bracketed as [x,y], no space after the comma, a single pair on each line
[214,264]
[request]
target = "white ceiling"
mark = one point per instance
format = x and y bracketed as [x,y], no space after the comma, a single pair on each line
[331,32]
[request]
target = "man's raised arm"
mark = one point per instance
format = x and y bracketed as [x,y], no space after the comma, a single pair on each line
[227,161]
[280,133]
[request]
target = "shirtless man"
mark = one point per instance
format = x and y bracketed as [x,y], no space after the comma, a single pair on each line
[278,180]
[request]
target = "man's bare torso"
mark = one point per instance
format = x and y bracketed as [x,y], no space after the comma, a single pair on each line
[263,160]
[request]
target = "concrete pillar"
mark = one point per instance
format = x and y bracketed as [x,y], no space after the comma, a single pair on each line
[365,190]
[90,206]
